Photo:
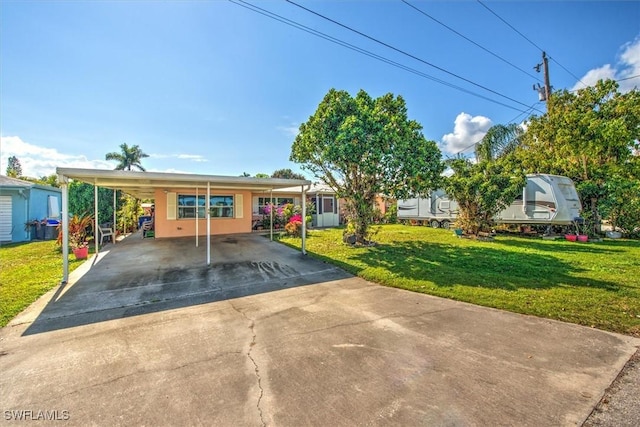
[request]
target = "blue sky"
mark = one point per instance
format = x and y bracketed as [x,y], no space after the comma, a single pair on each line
[212,87]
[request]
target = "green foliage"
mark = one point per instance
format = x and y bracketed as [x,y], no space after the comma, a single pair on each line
[262,175]
[499,141]
[621,204]
[482,190]
[588,136]
[128,157]
[287,174]
[391,215]
[14,168]
[51,180]
[593,284]
[82,199]
[363,147]
[127,215]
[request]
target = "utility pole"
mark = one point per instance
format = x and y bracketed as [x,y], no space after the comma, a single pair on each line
[544,93]
[547,85]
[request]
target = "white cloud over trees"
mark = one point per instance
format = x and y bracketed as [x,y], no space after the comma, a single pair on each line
[40,161]
[467,130]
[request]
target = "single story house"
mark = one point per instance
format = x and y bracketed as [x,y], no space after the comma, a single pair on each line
[23,202]
[187,204]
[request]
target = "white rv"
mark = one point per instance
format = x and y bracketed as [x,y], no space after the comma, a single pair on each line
[548,200]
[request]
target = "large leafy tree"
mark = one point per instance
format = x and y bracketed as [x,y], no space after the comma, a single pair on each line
[128,157]
[14,168]
[363,147]
[482,190]
[287,174]
[588,136]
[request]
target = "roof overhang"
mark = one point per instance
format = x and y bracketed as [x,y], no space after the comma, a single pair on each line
[144,184]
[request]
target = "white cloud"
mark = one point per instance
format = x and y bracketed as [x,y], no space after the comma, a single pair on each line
[37,161]
[291,130]
[192,157]
[467,131]
[628,65]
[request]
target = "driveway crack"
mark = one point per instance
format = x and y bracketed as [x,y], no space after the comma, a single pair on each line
[253,361]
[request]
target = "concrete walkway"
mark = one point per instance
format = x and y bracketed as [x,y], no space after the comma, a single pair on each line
[288,341]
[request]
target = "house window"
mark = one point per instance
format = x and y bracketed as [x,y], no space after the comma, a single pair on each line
[220,206]
[326,204]
[277,201]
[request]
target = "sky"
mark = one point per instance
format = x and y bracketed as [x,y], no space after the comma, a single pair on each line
[218,88]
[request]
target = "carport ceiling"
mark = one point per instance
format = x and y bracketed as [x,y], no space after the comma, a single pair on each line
[143,184]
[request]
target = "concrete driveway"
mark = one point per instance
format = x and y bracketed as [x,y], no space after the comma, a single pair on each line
[267,336]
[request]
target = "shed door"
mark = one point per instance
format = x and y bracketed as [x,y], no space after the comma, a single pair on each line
[5,218]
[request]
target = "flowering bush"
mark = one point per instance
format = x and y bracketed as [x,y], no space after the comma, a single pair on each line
[294,228]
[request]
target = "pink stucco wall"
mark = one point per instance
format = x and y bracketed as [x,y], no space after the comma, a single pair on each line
[187,227]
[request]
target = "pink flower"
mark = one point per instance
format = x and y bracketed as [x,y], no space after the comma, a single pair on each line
[296,218]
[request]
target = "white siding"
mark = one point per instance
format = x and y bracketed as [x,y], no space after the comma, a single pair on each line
[5,218]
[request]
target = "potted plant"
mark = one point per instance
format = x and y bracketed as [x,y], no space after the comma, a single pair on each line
[79,229]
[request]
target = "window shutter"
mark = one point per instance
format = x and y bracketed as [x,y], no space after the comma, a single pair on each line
[238,206]
[172,205]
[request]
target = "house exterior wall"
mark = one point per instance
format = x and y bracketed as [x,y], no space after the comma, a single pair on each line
[28,202]
[165,227]
[39,203]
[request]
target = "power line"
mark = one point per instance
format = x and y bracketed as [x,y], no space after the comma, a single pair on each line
[626,78]
[362,51]
[469,40]
[527,39]
[405,53]
[617,81]
[509,25]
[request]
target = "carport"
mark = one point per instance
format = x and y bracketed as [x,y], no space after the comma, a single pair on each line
[154,185]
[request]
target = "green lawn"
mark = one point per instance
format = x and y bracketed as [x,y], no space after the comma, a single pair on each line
[27,271]
[593,284]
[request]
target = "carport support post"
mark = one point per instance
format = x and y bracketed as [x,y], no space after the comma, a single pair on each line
[304,220]
[208,216]
[197,219]
[65,228]
[95,219]
[271,213]
[113,237]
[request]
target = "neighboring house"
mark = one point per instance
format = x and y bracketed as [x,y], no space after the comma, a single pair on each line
[22,202]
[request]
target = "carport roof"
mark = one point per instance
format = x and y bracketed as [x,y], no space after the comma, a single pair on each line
[143,184]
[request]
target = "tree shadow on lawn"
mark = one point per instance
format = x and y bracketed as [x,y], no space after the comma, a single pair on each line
[450,265]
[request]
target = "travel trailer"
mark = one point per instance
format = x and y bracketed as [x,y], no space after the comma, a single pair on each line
[548,200]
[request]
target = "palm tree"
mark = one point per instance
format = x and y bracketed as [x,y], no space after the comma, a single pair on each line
[500,140]
[128,157]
